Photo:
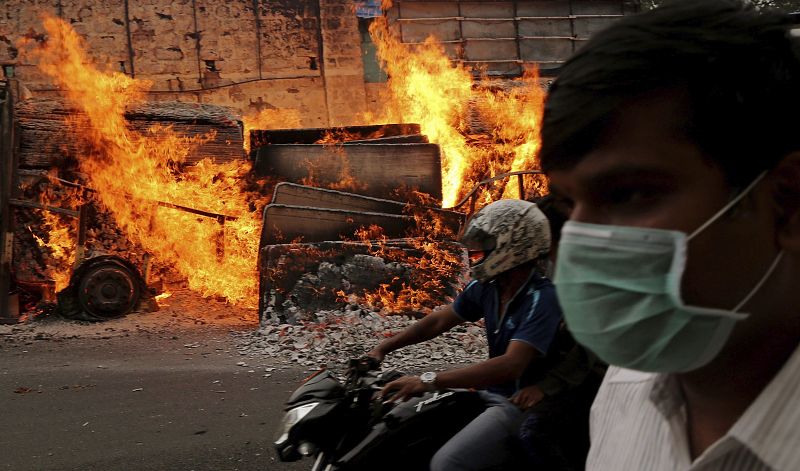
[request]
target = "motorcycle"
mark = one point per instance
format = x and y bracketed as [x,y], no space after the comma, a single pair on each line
[344,426]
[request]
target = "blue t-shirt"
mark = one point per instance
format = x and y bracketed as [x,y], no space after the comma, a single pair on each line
[533,316]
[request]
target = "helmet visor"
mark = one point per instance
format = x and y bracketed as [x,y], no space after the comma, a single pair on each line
[477,256]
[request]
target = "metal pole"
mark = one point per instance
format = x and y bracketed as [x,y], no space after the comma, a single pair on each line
[8,313]
[221,239]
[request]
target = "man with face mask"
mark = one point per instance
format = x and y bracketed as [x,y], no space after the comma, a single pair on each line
[507,241]
[671,135]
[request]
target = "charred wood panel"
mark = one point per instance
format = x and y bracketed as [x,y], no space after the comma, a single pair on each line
[299,195]
[292,194]
[283,224]
[46,138]
[348,133]
[378,170]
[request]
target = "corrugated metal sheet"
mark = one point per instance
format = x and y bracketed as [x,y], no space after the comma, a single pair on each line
[505,36]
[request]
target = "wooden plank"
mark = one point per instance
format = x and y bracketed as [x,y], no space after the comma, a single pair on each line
[379,169]
[284,224]
[46,139]
[410,139]
[292,194]
[35,205]
[265,137]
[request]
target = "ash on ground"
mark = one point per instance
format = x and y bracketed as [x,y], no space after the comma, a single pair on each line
[202,327]
[334,337]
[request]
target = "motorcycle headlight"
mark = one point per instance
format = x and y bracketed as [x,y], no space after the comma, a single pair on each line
[291,418]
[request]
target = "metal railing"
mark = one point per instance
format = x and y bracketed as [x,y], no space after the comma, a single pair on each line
[473,194]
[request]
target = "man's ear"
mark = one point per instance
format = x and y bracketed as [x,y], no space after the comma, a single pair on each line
[786,176]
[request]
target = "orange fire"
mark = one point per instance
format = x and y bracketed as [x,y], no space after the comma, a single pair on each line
[277,118]
[57,234]
[426,87]
[132,172]
[60,246]
[433,266]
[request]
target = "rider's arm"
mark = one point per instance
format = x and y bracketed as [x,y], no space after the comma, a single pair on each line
[532,339]
[426,328]
[497,370]
[572,370]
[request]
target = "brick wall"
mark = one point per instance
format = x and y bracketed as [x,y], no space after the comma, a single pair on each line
[248,54]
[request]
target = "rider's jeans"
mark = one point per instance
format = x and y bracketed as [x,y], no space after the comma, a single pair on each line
[488,442]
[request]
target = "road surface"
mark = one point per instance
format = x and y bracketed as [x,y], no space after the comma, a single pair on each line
[142,400]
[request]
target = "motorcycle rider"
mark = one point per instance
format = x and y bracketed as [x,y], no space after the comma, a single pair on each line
[555,432]
[508,242]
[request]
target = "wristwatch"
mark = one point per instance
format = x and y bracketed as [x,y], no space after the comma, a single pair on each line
[429,380]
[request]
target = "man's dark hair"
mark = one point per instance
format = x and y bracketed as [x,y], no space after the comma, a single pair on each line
[739,66]
[557,214]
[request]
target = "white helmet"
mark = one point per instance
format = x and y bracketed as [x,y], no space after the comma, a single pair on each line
[503,235]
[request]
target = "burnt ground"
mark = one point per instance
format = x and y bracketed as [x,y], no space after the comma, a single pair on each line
[166,390]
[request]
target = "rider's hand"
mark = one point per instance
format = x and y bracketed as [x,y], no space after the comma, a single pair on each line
[376,354]
[528,397]
[405,387]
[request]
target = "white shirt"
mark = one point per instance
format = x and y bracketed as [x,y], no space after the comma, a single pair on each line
[638,422]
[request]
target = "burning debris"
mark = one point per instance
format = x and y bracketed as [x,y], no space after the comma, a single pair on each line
[389,276]
[52,130]
[399,258]
[482,129]
[160,171]
[167,187]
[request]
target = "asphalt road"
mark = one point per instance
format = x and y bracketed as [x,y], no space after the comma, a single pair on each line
[138,402]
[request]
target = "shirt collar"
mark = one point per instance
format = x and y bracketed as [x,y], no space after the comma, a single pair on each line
[767,427]
[770,425]
[666,394]
[533,276]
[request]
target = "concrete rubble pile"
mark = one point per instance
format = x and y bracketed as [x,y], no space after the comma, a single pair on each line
[334,337]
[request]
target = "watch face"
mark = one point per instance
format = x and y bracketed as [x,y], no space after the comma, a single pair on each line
[428,377]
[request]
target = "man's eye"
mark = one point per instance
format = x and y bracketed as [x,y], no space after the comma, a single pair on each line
[632,196]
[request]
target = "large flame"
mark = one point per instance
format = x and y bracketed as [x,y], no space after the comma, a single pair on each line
[426,87]
[435,266]
[59,248]
[277,118]
[133,172]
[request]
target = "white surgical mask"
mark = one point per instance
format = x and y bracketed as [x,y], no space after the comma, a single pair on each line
[619,288]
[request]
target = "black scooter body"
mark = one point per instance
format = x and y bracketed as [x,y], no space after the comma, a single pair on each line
[413,431]
[349,429]
[327,392]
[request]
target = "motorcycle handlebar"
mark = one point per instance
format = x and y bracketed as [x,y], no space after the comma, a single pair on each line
[363,364]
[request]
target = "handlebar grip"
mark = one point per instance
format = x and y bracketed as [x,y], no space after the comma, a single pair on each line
[364,364]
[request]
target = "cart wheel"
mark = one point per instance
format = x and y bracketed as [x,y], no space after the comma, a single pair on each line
[108,290]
